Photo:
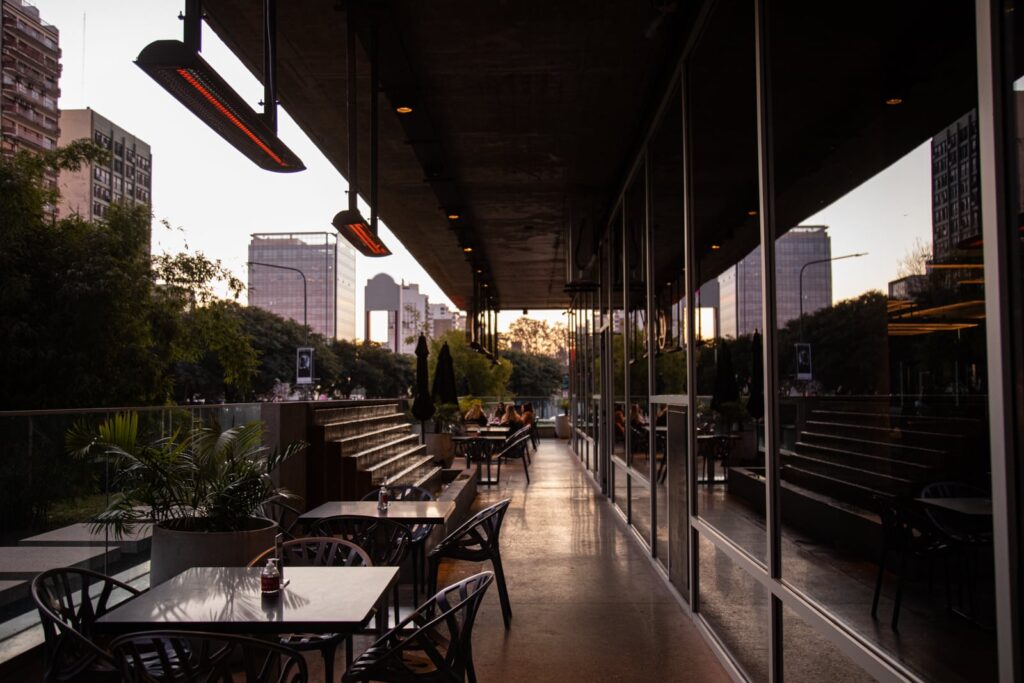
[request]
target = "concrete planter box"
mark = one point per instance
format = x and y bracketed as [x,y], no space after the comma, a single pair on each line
[441,447]
[562,427]
[174,551]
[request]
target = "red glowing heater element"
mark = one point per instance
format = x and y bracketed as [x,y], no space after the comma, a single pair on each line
[185,74]
[351,225]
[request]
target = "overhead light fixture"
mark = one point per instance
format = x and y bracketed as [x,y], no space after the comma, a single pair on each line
[403,109]
[479,270]
[353,227]
[467,250]
[349,223]
[715,247]
[192,81]
[483,284]
[893,101]
[454,216]
[751,213]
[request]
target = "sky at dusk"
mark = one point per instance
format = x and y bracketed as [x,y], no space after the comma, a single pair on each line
[214,198]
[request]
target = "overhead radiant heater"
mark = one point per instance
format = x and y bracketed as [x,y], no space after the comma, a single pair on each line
[181,71]
[349,223]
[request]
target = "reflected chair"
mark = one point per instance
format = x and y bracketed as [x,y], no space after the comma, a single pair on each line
[384,540]
[905,532]
[516,450]
[418,532]
[477,540]
[69,602]
[318,552]
[178,656]
[440,646]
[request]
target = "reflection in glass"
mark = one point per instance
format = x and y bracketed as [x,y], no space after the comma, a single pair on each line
[881,328]
[736,607]
[807,656]
[727,315]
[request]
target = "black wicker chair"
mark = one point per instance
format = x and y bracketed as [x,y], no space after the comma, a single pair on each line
[194,656]
[477,540]
[319,552]
[69,602]
[439,649]
[385,541]
[419,533]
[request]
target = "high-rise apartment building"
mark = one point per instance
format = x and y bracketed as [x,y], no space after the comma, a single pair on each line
[740,286]
[442,319]
[30,52]
[126,177]
[956,188]
[279,264]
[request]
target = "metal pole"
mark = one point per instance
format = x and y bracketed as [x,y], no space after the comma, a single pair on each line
[270,63]
[305,319]
[193,25]
[374,124]
[353,167]
[800,337]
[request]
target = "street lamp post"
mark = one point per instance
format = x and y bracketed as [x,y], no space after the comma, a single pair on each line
[305,323]
[801,279]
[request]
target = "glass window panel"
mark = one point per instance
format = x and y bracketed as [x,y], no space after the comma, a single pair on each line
[726,235]
[808,656]
[635,249]
[640,493]
[880,298]
[620,426]
[736,607]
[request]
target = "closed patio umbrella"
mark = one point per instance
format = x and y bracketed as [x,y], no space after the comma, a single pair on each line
[444,377]
[755,406]
[422,405]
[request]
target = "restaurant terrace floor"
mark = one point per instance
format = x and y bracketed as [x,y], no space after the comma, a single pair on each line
[582,593]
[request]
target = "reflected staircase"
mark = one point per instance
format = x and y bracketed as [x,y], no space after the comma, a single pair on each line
[358,449]
[855,451]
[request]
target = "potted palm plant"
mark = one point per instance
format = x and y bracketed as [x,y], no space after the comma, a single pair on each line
[203,490]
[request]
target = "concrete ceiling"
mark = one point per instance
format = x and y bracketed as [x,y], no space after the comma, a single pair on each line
[523,112]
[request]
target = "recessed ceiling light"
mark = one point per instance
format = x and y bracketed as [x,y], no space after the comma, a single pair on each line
[716,247]
[751,213]
[484,284]
[404,109]
[454,216]
[893,101]
[467,250]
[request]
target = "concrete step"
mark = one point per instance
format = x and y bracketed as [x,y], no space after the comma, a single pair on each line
[847,491]
[385,469]
[855,475]
[864,446]
[24,562]
[892,435]
[84,535]
[927,423]
[875,463]
[354,428]
[407,467]
[325,416]
[378,457]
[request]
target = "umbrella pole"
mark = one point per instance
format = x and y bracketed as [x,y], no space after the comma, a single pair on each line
[423,432]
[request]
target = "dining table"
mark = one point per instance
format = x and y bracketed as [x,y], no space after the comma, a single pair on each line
[405,511]
[228,600]
[969,507]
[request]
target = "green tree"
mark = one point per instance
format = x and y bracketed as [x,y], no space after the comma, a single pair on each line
[475,375]
[533,374]
[535,336]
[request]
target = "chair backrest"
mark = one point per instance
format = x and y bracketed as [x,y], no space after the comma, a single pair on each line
[478,536]
[444,631]
[69,602]
[179,656]
[384,540]
[400,492]
[515,448]
[317,551]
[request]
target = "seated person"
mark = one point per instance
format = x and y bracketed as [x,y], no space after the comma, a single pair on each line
[637,417]
[527,413]
[661,419]
[475,415]
[511,418]
[499,413]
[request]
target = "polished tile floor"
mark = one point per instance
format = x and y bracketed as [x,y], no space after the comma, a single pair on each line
[586,604]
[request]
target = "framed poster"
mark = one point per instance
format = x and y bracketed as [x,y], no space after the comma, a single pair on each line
[803,361]
[304,365]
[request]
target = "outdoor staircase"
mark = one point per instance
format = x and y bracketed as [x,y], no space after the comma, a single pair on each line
[361,448]
[856,451]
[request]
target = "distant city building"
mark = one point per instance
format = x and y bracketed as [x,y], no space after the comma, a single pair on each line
[329,271]
[740,286]
[956,188]
[126,177]
[442,319]
[29,119]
